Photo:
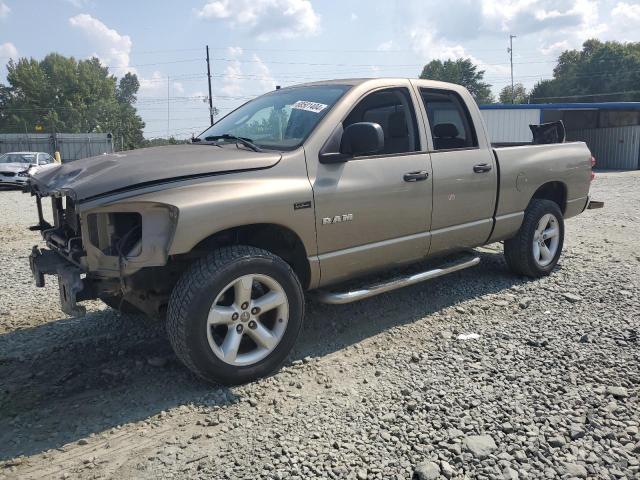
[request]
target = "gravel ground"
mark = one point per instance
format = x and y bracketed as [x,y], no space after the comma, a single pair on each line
[480,374]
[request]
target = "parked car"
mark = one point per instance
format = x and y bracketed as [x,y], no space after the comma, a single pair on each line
[17,167]
[297,191]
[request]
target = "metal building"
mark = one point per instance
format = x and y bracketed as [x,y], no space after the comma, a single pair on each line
[611,130]
[72,146]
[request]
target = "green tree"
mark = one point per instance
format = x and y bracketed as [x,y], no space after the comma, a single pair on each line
[128,88]
[599,72]
[460,71]
[519,94]
[160,142]
[66,95]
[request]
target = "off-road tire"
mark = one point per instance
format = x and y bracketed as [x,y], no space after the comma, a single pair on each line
[116,302]
[192,298]
[518,251]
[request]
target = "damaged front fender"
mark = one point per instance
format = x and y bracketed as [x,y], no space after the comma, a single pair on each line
[122,238]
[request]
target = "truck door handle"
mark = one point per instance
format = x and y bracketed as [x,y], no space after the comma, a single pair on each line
[416,176]
[482,167]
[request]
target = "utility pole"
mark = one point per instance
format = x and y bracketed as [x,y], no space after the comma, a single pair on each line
[168,93]
[54,135]
[209,78]
[510,50]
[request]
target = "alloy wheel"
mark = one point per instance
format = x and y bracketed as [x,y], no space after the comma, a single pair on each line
[247,320]
[546,239]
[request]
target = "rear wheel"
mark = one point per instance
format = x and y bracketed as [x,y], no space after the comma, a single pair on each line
[235,315]
[536,248]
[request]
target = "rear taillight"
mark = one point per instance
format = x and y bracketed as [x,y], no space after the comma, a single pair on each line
[593,164]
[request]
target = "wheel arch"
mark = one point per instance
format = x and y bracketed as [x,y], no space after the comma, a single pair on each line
[555,191]
[275,238]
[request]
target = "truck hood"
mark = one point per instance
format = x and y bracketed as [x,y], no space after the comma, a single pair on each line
[97,176]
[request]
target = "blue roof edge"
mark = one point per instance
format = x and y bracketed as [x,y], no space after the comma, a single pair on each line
[564,106]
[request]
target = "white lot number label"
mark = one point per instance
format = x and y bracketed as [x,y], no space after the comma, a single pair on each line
[309,106]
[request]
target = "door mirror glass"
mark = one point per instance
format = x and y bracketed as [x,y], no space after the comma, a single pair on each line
[362,138]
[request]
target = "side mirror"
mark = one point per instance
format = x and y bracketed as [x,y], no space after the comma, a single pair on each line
[362,138]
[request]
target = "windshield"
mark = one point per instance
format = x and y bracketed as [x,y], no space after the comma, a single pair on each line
[18,158]
[279,120]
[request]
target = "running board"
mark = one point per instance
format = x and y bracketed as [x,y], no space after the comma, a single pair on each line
[339,298]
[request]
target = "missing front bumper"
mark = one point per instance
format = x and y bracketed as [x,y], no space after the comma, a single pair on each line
[70,283]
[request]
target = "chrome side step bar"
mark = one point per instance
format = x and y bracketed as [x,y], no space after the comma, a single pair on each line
[339,298]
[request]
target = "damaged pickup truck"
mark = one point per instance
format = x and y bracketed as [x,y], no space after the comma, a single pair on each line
[301,190]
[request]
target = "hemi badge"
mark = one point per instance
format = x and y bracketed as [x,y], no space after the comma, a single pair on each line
[301,205]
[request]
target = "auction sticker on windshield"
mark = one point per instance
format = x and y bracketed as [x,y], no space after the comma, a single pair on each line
[309,106]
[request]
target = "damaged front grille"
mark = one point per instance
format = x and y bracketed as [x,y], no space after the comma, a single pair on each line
[64,235]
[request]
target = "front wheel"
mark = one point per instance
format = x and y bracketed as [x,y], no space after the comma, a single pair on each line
[235,315]
[536,248]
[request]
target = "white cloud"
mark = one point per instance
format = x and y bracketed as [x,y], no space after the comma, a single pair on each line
[265,79]
[154,86]
[443,29]
[526,16]
[559,23]
[624,11]
[265,18]
[78,3]
[4,10]
[234,52]
[242,77]
[425,43]
[8,50]
[555,48]
[385,46]
[232,78]
[112,48]
[353,17]
[626,20]
[178,88]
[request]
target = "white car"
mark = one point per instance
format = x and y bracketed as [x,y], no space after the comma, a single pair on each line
[17,167]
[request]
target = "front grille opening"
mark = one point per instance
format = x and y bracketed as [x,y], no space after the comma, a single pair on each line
[116,234]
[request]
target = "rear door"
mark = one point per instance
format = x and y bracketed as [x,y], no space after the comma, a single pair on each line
[464,173]
[374,211]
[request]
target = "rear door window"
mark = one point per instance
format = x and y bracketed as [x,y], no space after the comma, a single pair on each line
[449,120]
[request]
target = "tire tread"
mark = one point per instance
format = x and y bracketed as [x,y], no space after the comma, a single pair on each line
[186,289]
[517,250]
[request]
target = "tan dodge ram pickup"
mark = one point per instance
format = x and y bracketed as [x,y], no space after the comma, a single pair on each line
[301,189]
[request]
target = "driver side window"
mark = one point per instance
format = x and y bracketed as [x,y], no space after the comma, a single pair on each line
[393,110]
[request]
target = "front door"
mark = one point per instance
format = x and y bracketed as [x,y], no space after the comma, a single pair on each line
[374,211]
[464,174]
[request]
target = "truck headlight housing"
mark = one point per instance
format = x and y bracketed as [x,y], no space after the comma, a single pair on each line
[116,233]
[122,238]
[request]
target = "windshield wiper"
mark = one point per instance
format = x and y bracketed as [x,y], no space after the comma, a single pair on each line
[206,142]
[247,142]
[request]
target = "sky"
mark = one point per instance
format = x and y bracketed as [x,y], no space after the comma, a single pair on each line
[258,44]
